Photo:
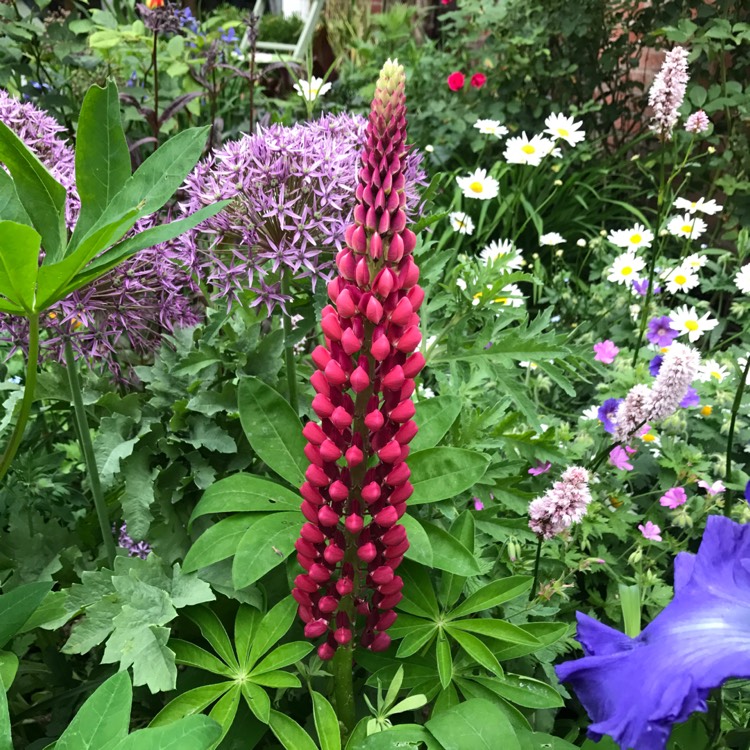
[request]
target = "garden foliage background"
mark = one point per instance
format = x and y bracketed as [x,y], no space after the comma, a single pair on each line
[150,515]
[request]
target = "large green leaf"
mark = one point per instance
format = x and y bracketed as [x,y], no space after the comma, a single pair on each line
[448,553]
[11,208]
[42,196]
[17,606]
[190,733]
[289,733]
[404,737]
[103,718]
[283,656]
[444,660]
[451,585]
[435,417]
[497,629]
[419,596]
[190,702]
[273,429]
[492,594]
[213,631]
[219,542]
[326,723]
[102,155]
[476,649]
[475,724]
[442,473]
[524,691]
[258,701]
[420,549]
[242,493]
[8,667]
[6,742]
[194,656]
[19,263]
[264,546]
[272,628]
[226,709]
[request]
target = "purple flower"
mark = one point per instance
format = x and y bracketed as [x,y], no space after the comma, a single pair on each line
[650,531]
[606,351]
[712,489]
[619,457]
[607,411]
[698,122]
[668,91]
[691,398]
[135,549]
[673,498]
[747,492]
[542,467]
[478,504]
[655,365]
[660,331]
[640,286]
[693,646]
[562,505]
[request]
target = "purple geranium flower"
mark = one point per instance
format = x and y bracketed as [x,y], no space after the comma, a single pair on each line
[541,467]
[691,399]
[607,411]
[655,365]
[640,286]
[695,644]
[660,331]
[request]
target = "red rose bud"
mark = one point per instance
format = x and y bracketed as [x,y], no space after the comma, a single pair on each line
[456,80]
[381,642]
[478,80]
[367,552]
[326,652]
[327,516]
[386,517]
[354,523]
[359,380]
[354,457]
[316,628]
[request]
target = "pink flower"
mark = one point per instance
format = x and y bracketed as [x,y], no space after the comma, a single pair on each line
[619,457]
[673,498]
[478,80]
[562,505]
[605,352]
[478,504]
[712,489]
[650,531]
[542,467]
[698,122]
[456,80]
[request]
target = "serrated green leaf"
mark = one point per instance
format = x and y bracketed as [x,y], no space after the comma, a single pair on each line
[442,473]
[145,650]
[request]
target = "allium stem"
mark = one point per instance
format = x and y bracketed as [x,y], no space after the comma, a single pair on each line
[343,690]
[87,449]
[537,560]
[728,499]
[28,398]
[289,360]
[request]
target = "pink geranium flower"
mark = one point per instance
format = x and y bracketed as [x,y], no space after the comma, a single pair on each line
[478,504]
[542,467]
[650,531]
[456,80]
[619,457]
[606,351]
[673,498]
[712,489]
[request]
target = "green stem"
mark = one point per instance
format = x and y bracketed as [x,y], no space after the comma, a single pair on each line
[537,560]
[730,436]
[28,398]
[343,690]
[88,452]
[289,361]
[155,65]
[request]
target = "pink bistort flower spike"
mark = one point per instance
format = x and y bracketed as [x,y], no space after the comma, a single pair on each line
[698,122]
[677,372]
[358,481]
[632,413]
[562,505]
[668,91]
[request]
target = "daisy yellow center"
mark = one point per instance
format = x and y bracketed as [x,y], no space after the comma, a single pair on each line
[716,374]
[478,295]
[635,238]
[627,270]
[680,279]
[528,149]
[649,438]
[687,228]
[476,187]
[501,300]
[691,325]
[706,411]
[693,204]
[459,224]
[563,132]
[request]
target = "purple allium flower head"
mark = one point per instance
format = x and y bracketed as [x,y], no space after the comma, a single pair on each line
[677,372]
[562,505]
[668,91]
[605,351]
[129,308]
[135,549]
[673,498]
[293,197]
[660,331]
[607,412]
[540,467]
[655,365]
[693,646]
[691,399]
[698,122]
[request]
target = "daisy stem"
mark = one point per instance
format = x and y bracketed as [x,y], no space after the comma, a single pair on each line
[537,560]
[730,436]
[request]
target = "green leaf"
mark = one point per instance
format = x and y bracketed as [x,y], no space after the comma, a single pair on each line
[6,742]
[416,639]
[419,596]
[190,733]
[273,430]
[218,542]
[403,737]
[19,264]
[523,691]
[436,416]
[103,718]
[102,155]
[245,624]
[451,586]
[289,733]
[444,660]
[43,198]
[274,626]
[448,553]
[630,603]
[8,667]
[283,656]
[11,208]
[326,723]
[264,546]
[17,606]
[541,741]
[475,724]
[245,493]
[257,700]
[195,656]
[145,649]
[225,710]
[189,703]
[491,595]
[476,650]
[279,679]
[420,549]
[545,633]
[393,688]
[442,473]
[214,632]
[497,629]
[411,703]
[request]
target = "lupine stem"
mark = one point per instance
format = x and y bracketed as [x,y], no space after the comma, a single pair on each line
[537,560]
[289,360]
[730,436]
[343,690]
[87,449]
[28,398]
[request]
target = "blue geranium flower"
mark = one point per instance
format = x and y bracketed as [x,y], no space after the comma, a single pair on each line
[635,689]
[608,410]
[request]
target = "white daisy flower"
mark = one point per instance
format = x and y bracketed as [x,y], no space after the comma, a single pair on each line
[424,392]
[461,284]
[478,185]
[504,250]
[528,365]
[633,239]
[687,321]
[461,222]
[635,311]
[591,413]
[694,261]
[680,279]
[510,295]
[742,279]
[551,238]
[686,225]
[311,90]
[560,126]
[701,205]
[711,369]
[626,269]
[491,127]
[429,148]
[524,150]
